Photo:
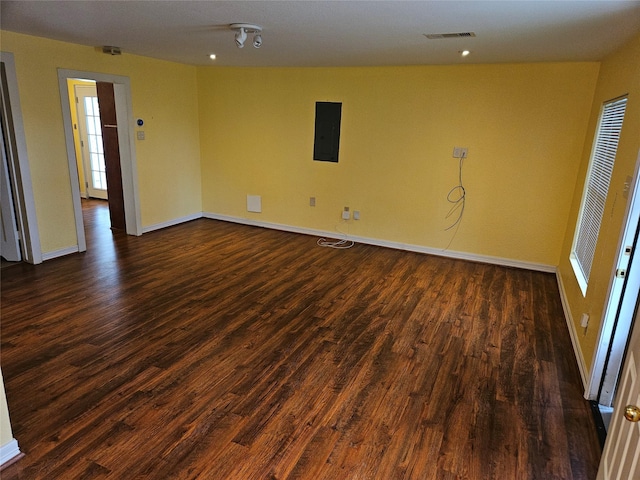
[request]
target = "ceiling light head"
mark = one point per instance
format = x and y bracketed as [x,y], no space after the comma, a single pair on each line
[242,29]
[464,53]
[241,36]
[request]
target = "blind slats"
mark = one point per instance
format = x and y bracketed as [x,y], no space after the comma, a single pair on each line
[597,184]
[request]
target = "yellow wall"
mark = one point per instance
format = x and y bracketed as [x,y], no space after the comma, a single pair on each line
[524,126]
[163,93]
[619,74]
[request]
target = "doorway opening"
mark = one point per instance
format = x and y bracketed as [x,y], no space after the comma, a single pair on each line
[97,148]
[87,138]
[119,127]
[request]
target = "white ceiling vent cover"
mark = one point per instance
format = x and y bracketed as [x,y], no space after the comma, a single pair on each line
[436,36]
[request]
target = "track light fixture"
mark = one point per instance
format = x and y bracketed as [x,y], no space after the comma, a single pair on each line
[242,29]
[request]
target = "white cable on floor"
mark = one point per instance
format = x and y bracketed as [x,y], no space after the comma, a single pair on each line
[339,244]
[323,242]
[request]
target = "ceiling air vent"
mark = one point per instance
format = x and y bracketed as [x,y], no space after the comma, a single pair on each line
[435,36]
[111,50]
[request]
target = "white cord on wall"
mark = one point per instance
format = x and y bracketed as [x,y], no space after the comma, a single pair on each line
[457,196]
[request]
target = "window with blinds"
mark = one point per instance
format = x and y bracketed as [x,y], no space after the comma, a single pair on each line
[603,155]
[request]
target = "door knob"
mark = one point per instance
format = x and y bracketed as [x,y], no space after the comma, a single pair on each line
[632,413]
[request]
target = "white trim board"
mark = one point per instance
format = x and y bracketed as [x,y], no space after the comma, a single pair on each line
[60,253]
[75,249]
[573,333]
[505,262]
[9,451]
[171,223]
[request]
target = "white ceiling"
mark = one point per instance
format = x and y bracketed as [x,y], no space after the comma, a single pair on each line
[336,33]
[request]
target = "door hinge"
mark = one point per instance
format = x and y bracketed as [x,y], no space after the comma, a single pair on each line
[621,273]
[81,143]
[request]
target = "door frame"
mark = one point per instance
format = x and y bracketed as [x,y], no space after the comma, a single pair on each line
[11,248]
[81,92]
[19,170]
[124,113]
[609,330]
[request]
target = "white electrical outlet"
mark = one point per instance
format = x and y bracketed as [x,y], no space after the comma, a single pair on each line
[584,322]
[312,201]
[345,215]
[356,214]
[460,152]
[627,186]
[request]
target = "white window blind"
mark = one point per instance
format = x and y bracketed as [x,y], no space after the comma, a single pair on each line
[596,187]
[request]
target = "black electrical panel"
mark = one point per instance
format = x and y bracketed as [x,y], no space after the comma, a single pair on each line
[327,134]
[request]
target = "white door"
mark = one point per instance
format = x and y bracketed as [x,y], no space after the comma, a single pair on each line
[10,245]
[91,141]
[623,295]
[621,455]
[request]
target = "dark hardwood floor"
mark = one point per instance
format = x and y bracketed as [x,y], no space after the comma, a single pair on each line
[219,351]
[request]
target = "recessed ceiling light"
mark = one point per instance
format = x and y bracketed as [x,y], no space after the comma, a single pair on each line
[464,53]
[212,56]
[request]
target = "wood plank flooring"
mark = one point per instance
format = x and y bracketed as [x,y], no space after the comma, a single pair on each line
[219,351]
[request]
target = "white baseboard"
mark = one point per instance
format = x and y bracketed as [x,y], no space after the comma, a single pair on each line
[171,223]
[9,451]
[384,243]
[69,250]
[582,366]
[60,253]
[506,262]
